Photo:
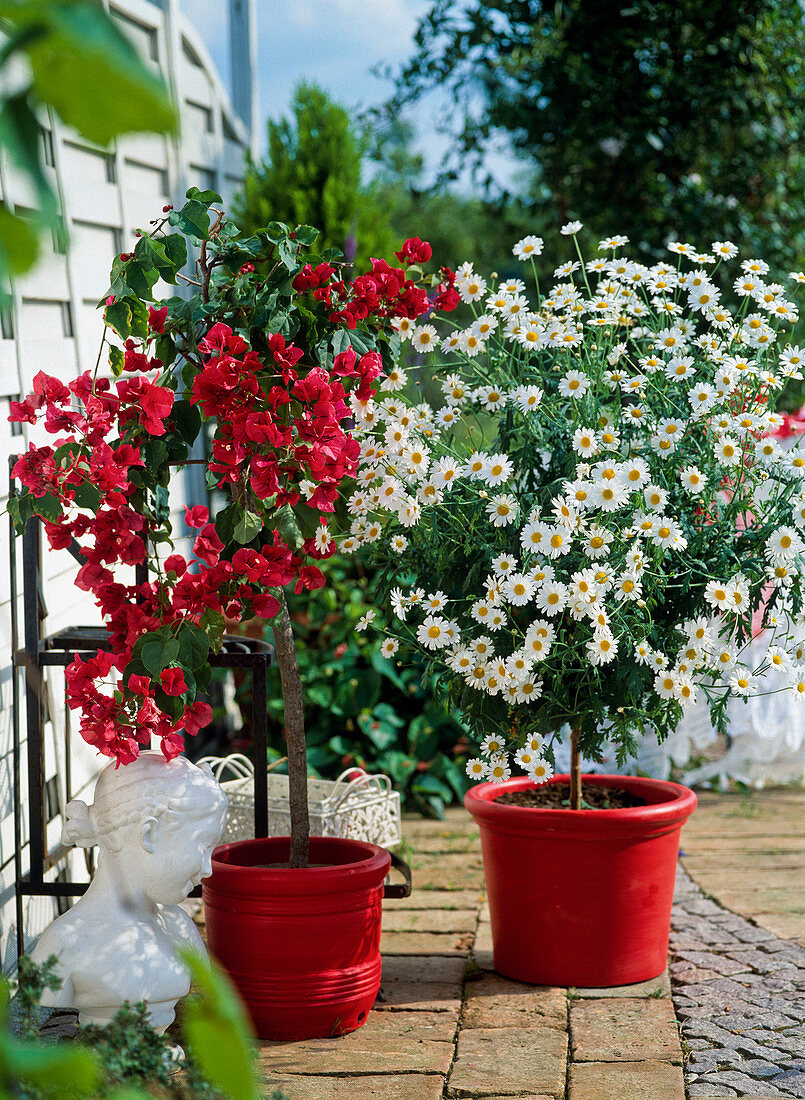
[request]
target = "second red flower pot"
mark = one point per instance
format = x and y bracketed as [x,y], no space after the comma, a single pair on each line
[302,945]
[581,897]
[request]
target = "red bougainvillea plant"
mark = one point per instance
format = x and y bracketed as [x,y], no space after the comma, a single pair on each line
[267,356]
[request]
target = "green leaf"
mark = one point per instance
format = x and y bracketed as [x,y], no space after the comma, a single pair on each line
[226,521]
[57,1069]
[140,278]
[382,735]
[48,507]
[116,360]
[87,496]
[176,250]
[213,624]
[306,235]
[387,713]
[207,197]
[217,1031]
[86,69]
[158,654]
[20,133]
[194,646]
[340,341]
[193,220]
[430,785]
[187,419]
[248,527]
[360,342]
[118,316]
[277,231]
[152,253]
[287,253]
[19,243]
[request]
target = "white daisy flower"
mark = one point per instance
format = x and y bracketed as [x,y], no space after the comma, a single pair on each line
[628,587]
[727,451]
[432,632]
[471,287]
[502,510]
[574,384]
[742,682]
[498,469]
[518,589]
[540,771]
[527,248]
[445,472]
[665,683]
[602,650]
[491,397]
[492,745]
[570,229]
[693,480]
[784,544]
[527,398]
[552,597]
[424,338]
[389,647]
[585,442]
[365,620]
[477,769]
[779,660]
[498,771]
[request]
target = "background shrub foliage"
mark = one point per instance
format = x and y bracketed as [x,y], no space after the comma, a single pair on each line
[363,709]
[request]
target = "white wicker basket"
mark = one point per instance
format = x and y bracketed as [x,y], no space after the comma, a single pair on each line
[356,805]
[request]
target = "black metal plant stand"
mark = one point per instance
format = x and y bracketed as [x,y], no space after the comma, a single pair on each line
[39,651]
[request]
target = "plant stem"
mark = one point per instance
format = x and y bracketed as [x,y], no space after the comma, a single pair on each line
[285,652]
[575,769]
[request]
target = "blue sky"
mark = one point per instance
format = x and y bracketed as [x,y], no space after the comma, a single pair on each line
[334,43]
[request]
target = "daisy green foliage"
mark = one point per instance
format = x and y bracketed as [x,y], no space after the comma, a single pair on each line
[595,515]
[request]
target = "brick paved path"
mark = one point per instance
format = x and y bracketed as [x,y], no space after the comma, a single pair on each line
[450,1027]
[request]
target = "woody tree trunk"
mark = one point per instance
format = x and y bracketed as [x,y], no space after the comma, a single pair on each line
[575,769]
[285,653]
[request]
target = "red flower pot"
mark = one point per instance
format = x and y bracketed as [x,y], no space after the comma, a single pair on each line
[581,897]
[302,945]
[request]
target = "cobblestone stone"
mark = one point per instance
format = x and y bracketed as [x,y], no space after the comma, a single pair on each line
[741,1015]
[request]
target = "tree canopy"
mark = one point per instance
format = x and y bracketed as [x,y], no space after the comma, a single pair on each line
[651,117]
[312,175]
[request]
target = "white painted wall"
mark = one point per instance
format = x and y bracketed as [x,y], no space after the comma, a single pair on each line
[53,325]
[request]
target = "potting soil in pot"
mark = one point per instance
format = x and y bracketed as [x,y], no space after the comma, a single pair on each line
[557,796]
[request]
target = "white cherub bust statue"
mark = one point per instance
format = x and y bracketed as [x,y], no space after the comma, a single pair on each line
[156,823]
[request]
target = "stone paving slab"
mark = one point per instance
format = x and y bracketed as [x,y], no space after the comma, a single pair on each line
[356,1054]
[495,1002]
[416,996]
[458,900]
[625,1081]
[509,1061]
[655,987]
[624,1030]
[424,968]
[430,920]
[414,1086]
[444,841]
[426,943]
[739,859]
[448,872]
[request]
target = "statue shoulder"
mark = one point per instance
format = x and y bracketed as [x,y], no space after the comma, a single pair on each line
[181,926]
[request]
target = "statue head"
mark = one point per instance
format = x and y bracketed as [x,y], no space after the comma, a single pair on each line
[156,821]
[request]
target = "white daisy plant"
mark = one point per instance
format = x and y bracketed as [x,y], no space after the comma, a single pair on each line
[595,500]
